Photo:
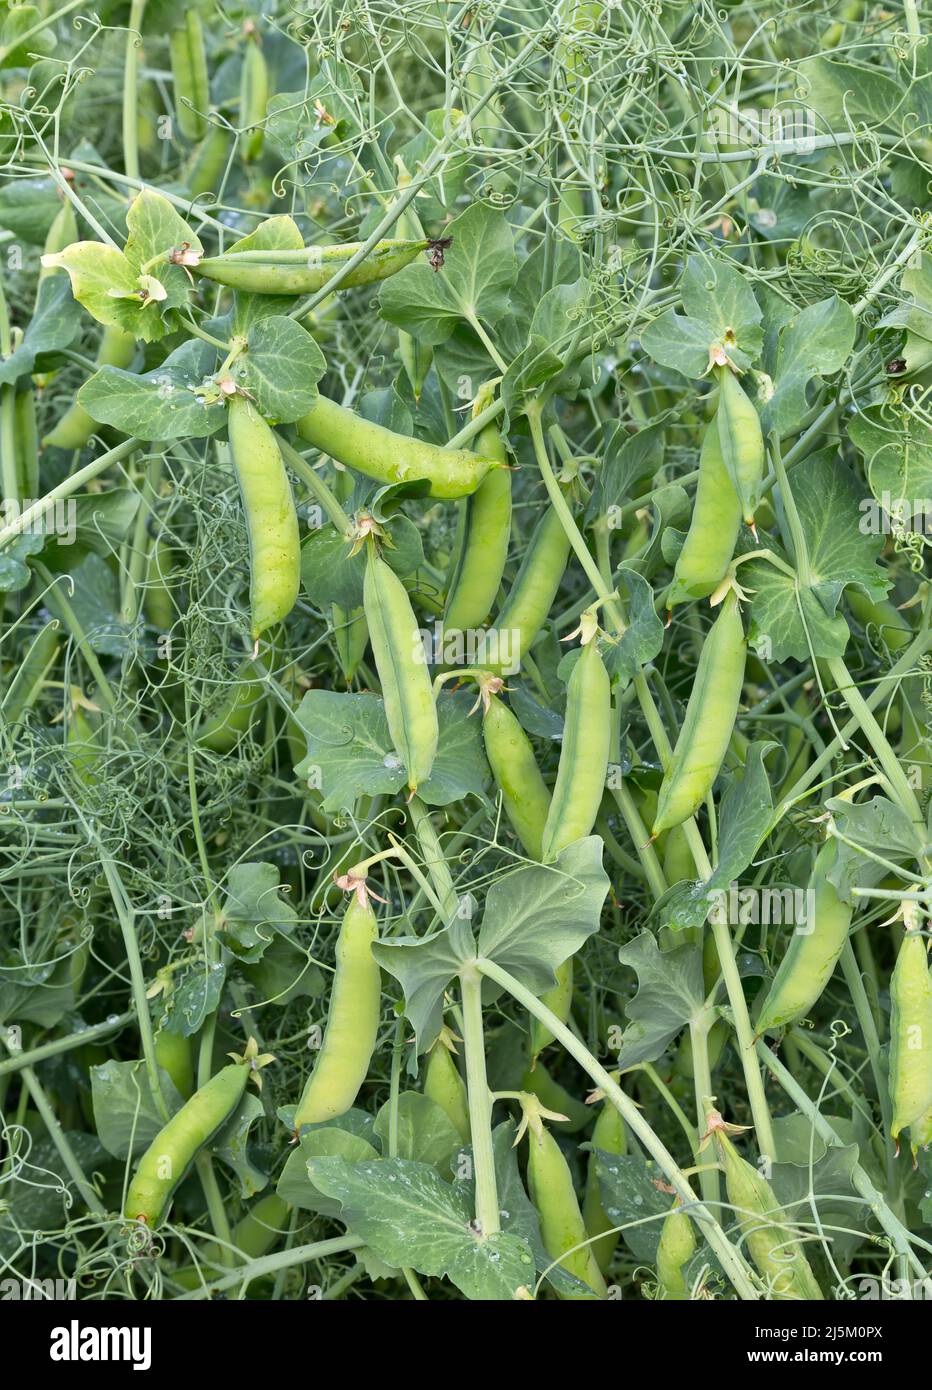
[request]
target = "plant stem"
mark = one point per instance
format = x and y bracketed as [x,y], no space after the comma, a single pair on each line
[480,1102]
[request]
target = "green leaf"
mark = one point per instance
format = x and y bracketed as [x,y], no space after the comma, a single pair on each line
[280,369]
[126,1115]
[670,993]
[536,917]
[165,403]
[632,1192]
[629,459]
[411,1219]
[479,270]
[326,1141]
[744,818]
[783,614]
[104,281]
[425,1132]
[814,343]
[424,966]
[18,20]
[720,309]
[642,639]
[54,324]
[897,449]
[254,912]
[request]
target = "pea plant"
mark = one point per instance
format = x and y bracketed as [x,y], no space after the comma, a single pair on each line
[466,658]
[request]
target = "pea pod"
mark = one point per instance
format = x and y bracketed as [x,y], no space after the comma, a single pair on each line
[208,164]
[189,73]
[777,1254]
[173,1150]
[253,1236]
[538,1081]
[881,614]
[584,754]
[524,793]
[559,1001]
[676,1248]
[157,601]
[402,666]
[484,542]
[388,457]
[561,1224]
[608,1136]
[26,685]
[229,721]
[26,443]
[352,1020]
[445,1087]
[253,99]
[710,718]
[117,349]
[309,268]
[910,1033]
[531,596]
[174,1056]
[741,439]
[812,953]
[271,519]
[713,529]
[351,634]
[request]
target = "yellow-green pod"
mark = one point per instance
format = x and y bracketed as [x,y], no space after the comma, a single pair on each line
[26,440]
[446,1088]
[157,601]
[777,1254]
[559,1001]
[173,1150]
[389,457]
[174,1055]
[676,1248]
[713,531]
[271,519]
[253,100]
[401,662]
[893,626]
[609,1136]
[710,718]
[309,268]
[484,546]
[910,1033]
[525,796]
[537,1081]
[742,440]
[209,162]
[81,739]
[351,634]
[229,721]
[678,862]
[352,1021]
[584,754]
[531,596]
[813,951]
[561,1224]
[189,72]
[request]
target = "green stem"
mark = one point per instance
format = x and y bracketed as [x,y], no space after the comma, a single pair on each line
[15,1062]
[131,89]
[480,1102]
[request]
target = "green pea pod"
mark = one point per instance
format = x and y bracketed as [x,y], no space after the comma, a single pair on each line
[158,601]
[351,634]
[271,519]
[559,1001]
[26,443]
[910,1033]
[173,1054]
[881,614]
[538,1081]
[531,596]
[678,862]
[676,1248]
[189,73]
[253,1236]
[813,952]
[26,685]
[584,754]
[609,1136]
[209,162]
[561,1223]
[777,1254]
[388,457]
[253,100]
[710,717]
[713,529]
[524,792]
[307,270]
[173,1150]
[741,439]
[484,544]
[352,1021]
[402,666]
[228,720]
[83,746]
[446,1088]
[117,349]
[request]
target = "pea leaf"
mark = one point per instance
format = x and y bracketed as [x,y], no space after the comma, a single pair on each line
[479,270]
[642,639]
[326,1141]
[670,992]
[40,991]
[154,228]
[535,917]
[280,368]
[409,1217]
[424,966]
[720,308]
[629,459]
[787,618]
[425,1132]
[632,1192]
[104,281]
[54,324]
[14,571]
[165,403]
[744,819]
[126,1116]
[28,208]
[254,911]
[897,449]
[18,20]
[814,343]
[231,1145]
